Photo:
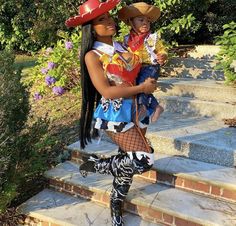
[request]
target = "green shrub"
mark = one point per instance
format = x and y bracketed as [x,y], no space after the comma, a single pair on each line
[220,12]
[30,25]
[20,157]
[227,53]
[16,22]
[58,67]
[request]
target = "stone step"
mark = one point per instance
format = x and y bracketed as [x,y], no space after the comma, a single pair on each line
[51,208]
[196,73]
[154,202]
[194,106]
[199,51]
[198,138]
[202,89]
[204,51]
[192,63]
[195,176]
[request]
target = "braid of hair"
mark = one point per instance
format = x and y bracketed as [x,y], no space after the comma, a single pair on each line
[89,92]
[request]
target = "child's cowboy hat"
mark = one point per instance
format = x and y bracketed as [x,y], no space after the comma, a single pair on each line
[90,10]
[139,9]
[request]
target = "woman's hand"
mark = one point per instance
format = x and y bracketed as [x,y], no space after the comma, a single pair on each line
[161,58]
[149,85]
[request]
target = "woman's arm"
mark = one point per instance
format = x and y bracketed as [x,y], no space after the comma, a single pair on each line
[102,85]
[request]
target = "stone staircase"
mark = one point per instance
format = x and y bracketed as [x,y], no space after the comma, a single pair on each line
[197,63]
[193,180]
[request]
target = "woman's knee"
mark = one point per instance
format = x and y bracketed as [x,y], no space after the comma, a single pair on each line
[141,161]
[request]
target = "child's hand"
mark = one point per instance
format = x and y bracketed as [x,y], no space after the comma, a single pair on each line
[149,85]
[161,58]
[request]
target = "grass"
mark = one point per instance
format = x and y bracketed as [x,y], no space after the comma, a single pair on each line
[25,61]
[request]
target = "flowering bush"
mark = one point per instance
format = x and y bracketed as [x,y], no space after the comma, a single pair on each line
[57,69]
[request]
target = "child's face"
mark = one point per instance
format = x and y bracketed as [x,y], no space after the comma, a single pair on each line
[141,24]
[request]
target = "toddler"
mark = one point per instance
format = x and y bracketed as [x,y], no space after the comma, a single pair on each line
[147,46]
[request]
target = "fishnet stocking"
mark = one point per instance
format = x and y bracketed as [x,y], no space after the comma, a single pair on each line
[131,140]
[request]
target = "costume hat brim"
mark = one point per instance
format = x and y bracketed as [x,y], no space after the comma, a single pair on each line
[139,9]
[91,14]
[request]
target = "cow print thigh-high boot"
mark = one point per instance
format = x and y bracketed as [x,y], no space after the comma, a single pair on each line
[122,166]
[119,191]
[111,165]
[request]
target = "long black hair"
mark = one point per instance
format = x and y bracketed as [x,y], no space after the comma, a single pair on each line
[90,96]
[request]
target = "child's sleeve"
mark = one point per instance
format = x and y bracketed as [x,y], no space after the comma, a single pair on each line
[160,47]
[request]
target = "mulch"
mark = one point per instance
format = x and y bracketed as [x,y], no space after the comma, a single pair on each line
[11,217]
[231,122]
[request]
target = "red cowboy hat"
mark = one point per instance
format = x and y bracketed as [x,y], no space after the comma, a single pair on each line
[90,10]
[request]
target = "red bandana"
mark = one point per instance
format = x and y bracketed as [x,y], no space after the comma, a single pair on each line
[136,40]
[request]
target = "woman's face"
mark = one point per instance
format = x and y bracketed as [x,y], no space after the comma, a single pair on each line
[141,24]
[104,25]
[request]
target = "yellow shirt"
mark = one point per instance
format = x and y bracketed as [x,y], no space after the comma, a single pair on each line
[143,52]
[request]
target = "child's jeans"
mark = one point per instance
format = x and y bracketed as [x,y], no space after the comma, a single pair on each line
[152,71]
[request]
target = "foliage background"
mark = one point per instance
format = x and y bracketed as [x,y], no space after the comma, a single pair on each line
[29,25]
[227,54]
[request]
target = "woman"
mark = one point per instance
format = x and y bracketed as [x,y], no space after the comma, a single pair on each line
[108,82]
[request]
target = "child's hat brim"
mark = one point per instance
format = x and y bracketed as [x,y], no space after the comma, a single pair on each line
[139,9]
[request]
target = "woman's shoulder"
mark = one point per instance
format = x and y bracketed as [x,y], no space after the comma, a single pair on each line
[91,56]
[91,53]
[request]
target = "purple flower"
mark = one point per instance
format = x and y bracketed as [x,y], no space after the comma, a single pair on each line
[44,71]
[51,65]
[50,80]
[58,90]
[68,45]
[37,96]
